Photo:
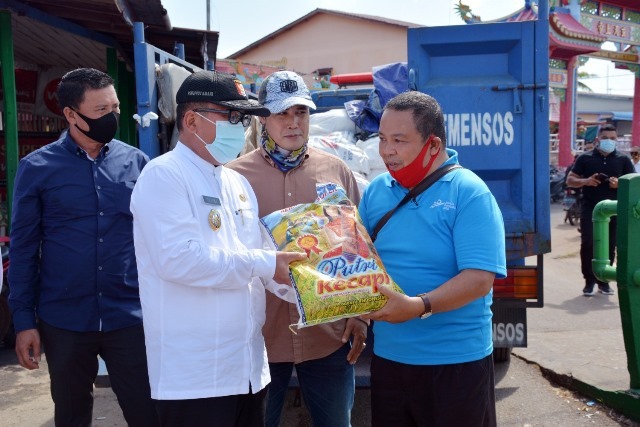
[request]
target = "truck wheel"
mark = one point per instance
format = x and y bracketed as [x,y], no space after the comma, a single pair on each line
[501,354]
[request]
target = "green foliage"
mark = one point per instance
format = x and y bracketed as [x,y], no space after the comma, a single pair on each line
[610,11]
[581,85]
[632,16]
[590,7]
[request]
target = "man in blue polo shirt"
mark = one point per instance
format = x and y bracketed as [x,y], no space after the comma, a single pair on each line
[73,276]
[444,249]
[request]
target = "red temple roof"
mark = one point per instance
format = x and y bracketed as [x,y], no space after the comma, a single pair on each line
[523,14]
[566,25]
[567,36]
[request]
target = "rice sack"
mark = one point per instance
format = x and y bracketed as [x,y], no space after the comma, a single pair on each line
[342,273]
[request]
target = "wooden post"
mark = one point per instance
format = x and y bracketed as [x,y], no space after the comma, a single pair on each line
[567,122]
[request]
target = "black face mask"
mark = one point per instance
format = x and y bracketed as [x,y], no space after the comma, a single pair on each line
[103,129]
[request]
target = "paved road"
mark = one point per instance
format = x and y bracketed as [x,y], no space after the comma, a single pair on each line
[524,398]
[575,336]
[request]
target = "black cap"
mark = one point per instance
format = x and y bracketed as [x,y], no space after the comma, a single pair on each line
[218,88]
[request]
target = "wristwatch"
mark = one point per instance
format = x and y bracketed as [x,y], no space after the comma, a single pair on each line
[427,306]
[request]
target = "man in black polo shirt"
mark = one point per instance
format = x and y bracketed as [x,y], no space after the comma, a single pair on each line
[597,172]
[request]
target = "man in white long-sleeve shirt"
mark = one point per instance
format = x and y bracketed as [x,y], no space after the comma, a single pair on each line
[201,264]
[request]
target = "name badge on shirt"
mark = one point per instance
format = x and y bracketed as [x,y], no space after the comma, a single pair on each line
[210,200]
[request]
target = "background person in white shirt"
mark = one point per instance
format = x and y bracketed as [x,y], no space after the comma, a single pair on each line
[200,262]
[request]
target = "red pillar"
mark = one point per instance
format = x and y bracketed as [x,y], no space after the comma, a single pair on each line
[635,124]
[567,118]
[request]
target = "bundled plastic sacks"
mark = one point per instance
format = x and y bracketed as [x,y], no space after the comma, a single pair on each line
[341,145]
[370,149]
[169,78]
[361,181]
[335,120]
[334,133]
[342,274]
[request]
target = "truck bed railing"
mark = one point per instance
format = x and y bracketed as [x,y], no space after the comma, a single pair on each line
[146,58]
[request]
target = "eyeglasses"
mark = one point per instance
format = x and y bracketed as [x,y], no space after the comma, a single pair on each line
[234,116]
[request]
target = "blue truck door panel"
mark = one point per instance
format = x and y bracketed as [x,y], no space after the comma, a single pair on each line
[485,78]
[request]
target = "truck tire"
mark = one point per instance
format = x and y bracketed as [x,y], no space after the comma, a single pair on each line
[501,354]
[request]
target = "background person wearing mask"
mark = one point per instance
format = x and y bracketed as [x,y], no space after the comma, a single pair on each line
[432,362]
[597,172]
[73,276]
[283,172]
[200,259]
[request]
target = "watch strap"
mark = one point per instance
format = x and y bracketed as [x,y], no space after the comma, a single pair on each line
[427,306]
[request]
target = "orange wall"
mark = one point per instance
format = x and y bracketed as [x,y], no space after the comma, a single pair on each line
[349,45]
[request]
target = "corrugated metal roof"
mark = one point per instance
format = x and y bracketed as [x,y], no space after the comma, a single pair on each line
[43,45]
[109,16]
[73,33]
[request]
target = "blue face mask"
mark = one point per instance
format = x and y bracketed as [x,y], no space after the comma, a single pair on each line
[607,145]
[228,142]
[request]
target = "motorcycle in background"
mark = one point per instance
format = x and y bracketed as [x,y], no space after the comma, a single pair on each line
[557,184]
[572,204]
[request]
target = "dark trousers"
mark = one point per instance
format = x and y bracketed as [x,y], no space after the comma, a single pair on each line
[586,244]
[243,410]
[439,396]
[72,358]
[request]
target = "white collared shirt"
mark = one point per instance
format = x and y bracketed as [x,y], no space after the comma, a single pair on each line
[199,253]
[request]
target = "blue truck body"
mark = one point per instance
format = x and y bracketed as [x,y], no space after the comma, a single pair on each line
[492,83]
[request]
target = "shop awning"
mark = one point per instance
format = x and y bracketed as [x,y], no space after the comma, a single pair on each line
[622,115]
